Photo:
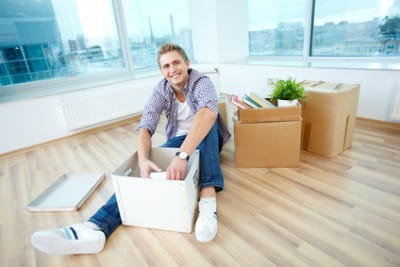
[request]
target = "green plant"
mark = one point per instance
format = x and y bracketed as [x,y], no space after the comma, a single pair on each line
[288,89]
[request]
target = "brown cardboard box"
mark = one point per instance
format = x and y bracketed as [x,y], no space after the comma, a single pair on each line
[329,114]
[270,114]
[268,137]
[222,110]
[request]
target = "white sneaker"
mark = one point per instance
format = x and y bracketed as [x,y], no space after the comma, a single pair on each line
[79,238]
[206,225]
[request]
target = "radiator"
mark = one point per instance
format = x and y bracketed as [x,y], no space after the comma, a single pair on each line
[88,109]
[395,112]
[84,111]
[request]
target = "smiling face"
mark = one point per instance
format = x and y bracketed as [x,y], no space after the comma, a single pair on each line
[175,69]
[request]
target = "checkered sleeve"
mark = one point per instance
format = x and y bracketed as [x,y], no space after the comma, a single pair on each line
[152,112]
[205,94]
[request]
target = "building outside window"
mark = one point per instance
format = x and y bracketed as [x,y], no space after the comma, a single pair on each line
[276,28]
[356,28]
[153,23]
[342,28]
[50,39]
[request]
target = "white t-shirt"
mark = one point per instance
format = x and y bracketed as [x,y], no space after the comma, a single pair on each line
[185,118]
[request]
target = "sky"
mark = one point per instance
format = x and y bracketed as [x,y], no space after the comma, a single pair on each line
[265,14]
[79,17]
[95,18]
[137,13]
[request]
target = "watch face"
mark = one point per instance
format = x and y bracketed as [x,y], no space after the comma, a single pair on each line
[183,155]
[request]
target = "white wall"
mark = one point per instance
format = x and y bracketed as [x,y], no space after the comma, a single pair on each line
[376,94]
[204,33]
[29,122]
[219,30]
[34,121]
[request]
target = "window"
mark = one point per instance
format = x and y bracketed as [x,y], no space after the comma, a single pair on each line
[50,42]
[50,39]
[342,28]
[356,28]
[152,23]
[276,28]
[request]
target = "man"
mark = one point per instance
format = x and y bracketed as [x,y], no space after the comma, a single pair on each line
[190,103]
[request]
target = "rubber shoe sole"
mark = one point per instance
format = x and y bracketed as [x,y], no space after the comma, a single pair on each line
[61,246]
[208,238]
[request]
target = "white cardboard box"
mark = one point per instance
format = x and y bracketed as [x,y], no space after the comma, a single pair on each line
[157,203]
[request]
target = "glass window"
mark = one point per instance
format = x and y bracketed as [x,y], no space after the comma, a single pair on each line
[276,28]
[152,23]
[55,38]
[356,28]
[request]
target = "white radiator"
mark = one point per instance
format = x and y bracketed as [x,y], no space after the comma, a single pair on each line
[395,112]
[87,109]
[83,111]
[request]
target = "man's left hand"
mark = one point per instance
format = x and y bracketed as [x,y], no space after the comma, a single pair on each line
[177,169]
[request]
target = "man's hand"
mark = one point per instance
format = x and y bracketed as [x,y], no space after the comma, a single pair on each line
[146,167]
[176,169]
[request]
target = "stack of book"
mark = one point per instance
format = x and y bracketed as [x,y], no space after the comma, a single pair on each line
[249,101]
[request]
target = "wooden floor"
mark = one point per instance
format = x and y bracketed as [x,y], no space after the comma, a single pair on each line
[327,212]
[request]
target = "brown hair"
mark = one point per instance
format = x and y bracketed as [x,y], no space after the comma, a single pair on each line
[167,47]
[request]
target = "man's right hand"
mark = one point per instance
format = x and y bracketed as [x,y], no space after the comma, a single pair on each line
[146,166]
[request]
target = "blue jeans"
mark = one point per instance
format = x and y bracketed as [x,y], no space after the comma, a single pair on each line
[108,217]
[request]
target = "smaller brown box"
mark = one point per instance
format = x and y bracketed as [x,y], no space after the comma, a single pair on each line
[270,114]
[268,137]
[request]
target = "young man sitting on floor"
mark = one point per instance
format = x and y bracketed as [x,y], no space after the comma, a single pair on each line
[190,103]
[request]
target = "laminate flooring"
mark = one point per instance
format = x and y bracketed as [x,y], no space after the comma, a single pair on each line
[343,211]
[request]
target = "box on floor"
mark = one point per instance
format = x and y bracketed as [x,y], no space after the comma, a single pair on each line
[268,137]
[329,114]
[157,203]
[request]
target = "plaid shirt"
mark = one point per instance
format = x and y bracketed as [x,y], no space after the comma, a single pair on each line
[199,92]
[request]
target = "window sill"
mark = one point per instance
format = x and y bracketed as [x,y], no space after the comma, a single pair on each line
[331,63]
[69,84]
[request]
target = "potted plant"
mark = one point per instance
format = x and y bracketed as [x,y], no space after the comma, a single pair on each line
[287,92]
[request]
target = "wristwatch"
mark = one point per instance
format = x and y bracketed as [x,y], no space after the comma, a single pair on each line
[182,155]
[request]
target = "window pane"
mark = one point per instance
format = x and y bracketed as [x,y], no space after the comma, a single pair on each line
[356,28]
[55,38]
[153,23]
[276,28]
